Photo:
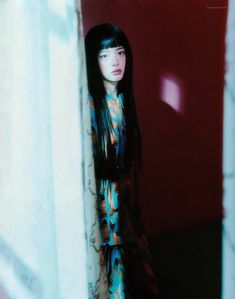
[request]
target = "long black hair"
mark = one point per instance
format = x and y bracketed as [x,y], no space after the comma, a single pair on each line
[101,37]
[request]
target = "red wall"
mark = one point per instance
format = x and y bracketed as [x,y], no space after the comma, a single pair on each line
[181,181]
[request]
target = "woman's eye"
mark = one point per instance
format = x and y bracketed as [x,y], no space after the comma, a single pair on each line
[102,56]
[122,52]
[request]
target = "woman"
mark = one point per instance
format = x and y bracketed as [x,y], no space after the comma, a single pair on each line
[116,147]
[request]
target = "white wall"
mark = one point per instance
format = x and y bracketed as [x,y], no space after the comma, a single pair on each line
[228,277]
[45,252]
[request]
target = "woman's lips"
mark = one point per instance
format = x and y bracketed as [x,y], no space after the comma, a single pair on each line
[117,72]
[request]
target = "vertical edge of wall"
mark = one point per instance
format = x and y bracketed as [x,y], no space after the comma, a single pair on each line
[228,260]
[96,272]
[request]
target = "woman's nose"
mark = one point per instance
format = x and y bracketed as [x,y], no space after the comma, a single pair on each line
[115,60]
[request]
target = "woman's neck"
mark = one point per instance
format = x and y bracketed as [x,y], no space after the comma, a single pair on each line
[111,88]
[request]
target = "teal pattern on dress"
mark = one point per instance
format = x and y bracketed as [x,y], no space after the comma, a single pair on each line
[108,198]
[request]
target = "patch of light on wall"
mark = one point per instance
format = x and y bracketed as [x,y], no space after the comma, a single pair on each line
[171,92]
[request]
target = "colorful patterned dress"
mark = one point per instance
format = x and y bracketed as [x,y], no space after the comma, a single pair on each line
[130,270]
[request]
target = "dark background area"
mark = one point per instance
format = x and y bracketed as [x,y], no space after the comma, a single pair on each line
[181,181]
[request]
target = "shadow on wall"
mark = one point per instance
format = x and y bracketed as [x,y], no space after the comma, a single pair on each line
[18,270]
[175,168]
[3,294]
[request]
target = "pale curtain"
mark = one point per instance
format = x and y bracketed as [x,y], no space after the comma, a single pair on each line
[49,235]
[228,281]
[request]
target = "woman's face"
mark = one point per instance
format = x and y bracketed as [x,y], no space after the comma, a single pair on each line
[112,63]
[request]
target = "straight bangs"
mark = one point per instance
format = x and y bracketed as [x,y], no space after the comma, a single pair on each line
[110,42]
